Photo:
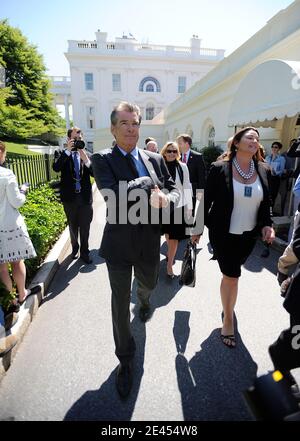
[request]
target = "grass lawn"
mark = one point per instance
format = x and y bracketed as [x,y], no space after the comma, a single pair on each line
[18,149]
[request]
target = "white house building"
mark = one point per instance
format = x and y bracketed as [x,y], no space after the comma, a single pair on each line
[258,84]
[103,73]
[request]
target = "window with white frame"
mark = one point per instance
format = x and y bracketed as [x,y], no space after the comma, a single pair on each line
[181,84]
[90,112]
[116,82]
[211,136]
[90,146]
[89,81]
[149,112]
[150,87]
[149,84]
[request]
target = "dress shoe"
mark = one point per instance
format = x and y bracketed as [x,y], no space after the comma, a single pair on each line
[7,343]
[124,379]
[10,320]
[145,313]
[86,259]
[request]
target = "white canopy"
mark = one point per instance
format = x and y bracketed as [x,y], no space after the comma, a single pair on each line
[269,92]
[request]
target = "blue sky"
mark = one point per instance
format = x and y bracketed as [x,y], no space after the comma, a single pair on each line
[219,23]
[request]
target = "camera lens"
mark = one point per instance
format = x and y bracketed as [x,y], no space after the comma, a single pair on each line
[79,144]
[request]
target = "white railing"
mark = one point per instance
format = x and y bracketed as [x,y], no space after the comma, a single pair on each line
[60,79]
[144,47]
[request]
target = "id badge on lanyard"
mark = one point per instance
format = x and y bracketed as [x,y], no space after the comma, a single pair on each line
[247,192]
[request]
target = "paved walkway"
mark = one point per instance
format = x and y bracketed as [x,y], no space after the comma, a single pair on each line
[65,366]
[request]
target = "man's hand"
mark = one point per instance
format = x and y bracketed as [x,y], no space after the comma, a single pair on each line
[195,238]
[268,234]
[83,156]
[70,144]
[158,199]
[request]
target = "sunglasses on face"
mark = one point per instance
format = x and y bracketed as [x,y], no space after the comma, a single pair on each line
[78,132]
[171,151]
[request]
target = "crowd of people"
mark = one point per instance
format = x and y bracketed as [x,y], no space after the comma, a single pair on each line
[237,194]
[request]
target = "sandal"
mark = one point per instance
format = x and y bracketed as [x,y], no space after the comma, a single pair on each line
[231,338]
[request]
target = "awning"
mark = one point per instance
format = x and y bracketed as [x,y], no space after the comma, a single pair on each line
[269,92]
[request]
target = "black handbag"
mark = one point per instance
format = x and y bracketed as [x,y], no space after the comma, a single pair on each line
[188,268]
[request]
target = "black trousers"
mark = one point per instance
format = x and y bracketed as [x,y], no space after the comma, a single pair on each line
[79,215]
[274,188]
[286,348]
[146,274]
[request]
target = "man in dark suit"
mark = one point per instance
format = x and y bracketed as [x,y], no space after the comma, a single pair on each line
[285,351]
[76,191]
[195,163]
[124,174]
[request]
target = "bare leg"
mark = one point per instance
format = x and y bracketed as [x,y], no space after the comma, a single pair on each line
[19,275]
[229,291]
[172,248]
[5,277]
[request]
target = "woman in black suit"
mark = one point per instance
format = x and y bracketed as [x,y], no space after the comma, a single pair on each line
[237,209]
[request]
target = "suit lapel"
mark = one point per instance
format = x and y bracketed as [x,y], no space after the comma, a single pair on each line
[121,167]
[262,174]
[228,175]
[148,162]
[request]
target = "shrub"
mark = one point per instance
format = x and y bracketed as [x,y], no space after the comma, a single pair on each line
[210,154]
[45,220]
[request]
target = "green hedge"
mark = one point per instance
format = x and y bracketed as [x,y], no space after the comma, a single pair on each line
[45,220]
[210,154]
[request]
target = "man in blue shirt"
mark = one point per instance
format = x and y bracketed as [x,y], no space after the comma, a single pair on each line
[277,167]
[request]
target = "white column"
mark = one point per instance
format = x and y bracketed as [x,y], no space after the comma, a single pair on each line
[67,115]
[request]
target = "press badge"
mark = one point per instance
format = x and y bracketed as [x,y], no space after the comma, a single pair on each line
[248,192]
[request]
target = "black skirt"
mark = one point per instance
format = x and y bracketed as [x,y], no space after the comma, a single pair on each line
[232,250]
[177,229]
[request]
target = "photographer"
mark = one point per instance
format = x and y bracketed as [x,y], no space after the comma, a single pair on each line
[76,191]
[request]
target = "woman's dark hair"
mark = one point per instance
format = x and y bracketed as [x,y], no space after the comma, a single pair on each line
[236,139]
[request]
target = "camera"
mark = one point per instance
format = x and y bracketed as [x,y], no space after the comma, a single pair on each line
[78,144]
[272,398]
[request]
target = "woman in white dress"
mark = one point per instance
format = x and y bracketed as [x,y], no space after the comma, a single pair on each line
[15,243]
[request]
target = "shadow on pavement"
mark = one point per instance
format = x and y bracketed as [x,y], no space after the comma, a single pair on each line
[212,382]
[105,404]
[255,263]
[68,270]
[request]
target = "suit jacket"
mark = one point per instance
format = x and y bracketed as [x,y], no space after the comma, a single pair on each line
[292,298]
[294,152]
[197,171]
[219,197]
[65,165]
[124,242]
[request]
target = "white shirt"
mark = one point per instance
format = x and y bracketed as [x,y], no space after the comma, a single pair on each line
[187,156]
[245,209]
[68,153]
[185,188]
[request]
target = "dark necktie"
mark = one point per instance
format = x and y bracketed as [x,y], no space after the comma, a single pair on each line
[77,172]
[131,164]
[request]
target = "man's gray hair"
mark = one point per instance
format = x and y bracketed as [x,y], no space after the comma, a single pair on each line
[128,107]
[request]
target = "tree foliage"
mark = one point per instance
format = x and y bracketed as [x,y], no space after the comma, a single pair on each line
[26,107]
